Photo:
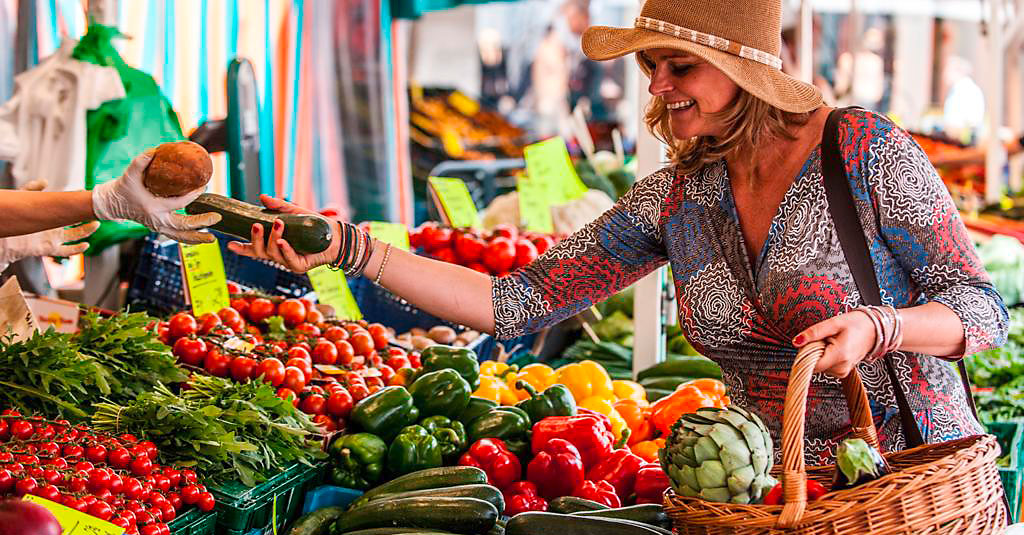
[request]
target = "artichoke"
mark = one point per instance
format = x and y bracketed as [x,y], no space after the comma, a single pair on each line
[720,455]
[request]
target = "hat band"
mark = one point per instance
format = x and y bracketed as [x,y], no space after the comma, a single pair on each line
[712,41]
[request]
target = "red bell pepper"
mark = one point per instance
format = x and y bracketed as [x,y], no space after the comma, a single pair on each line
[815,490]
[557,470]
[591,436]
[651,483]
[619,469]
[521,497]
[598,491]
[493,457]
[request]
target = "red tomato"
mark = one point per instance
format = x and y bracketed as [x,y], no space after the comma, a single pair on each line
[505,231]
[314,316]
[446,255]
[398,361]
[298,352]
[468,248]
[325,352]
[476,266]
[325,422]
[414,360]
[335,333]
[386,372]
[543,243]
[345,352]
[241,305]
[339,404]
[272,371]
[288,394]
[182,324]
[303,345]
[374,381]
[242,368]
[353,378]
[362,343]
[294,379]
[436,239]
[234,288]
[526,252]
[217,363]
[308,328]
[313,404]
[260,309]
[232,318]
[207,322]
[358,391]
[191,351]
[304,365]
[308,303]
[500,255]
[379,333]
[375,361]
[293,312]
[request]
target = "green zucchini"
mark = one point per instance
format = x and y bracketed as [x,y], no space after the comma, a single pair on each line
[536,523]
[654,394]
[664,382]
[306,233]
[317,522]
[431,478]
[683,366]
[483,492]
[460,515]
[572,504]
[648,513]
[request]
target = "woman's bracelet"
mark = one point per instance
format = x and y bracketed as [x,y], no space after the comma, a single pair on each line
[888,330]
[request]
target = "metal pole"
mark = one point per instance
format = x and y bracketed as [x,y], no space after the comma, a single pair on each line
[805,42]
[995,157]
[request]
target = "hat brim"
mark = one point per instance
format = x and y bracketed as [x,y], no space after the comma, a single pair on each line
[764,82]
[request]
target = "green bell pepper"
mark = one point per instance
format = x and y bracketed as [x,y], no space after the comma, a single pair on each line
[357,460]
[555,400]
[385,412]
[459,359]
[477,407]
[440,392]
[510,424]
[450,434]
[413,449]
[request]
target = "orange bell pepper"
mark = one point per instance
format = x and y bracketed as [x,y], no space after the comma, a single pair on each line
[629,390]
[648,449]
[711,387]
[636,417]
[685,399]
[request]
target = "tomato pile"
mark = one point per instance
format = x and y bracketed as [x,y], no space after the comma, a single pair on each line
[322,366]
[499,252]
[117,479]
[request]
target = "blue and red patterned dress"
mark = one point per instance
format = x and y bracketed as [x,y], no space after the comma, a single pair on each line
[744,316]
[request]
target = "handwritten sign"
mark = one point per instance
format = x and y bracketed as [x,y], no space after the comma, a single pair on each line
[548,161]
[332,289]
[456,201]
[206,284]
[76,522]
[396,234]
[535,204]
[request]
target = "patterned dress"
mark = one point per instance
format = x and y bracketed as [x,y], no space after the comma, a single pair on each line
[744,316]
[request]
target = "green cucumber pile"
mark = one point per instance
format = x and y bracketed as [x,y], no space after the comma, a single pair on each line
[662,379]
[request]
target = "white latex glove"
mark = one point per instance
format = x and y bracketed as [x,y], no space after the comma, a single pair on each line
[128,199]
[46,243]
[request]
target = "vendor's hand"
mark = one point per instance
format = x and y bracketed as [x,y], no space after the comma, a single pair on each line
[275,249]
[128,199]
[848,338]
[51,242]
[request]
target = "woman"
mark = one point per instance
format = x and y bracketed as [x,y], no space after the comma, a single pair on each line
[742,219]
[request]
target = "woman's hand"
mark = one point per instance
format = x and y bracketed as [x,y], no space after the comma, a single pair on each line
[848,338]
[276,249]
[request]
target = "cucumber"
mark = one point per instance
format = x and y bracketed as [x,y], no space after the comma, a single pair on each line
[431,478]
[648,513]
[666,382]
[683,366]
[536,523]
[572,504]
[483,492]
[316,523]
[459,515]
[654,394]
[306,233]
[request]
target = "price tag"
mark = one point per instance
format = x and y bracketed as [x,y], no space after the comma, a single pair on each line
[455,200]
[76,522]
[396,234]
[548,161]
[330,369]
[332,289]
[535,204]
[206,284]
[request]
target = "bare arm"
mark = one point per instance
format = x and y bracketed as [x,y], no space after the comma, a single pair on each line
[932,329]
[27,212]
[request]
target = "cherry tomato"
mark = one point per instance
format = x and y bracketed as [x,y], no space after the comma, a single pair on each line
[216,363]
[543,243]
[119,458]
[414,360]
[5,432]
[167,512]
[96,454]
[182,324]
[304,365]
[386,372]
[396,362]
[335,333]
[325,352]
[526,252]
[500,255]
[150,449]
[314,316]
[294,378]
[242,368]
[309,329]
[299,352]
[293,312]
[22,430]
[234,288]
[175,499]
[207,322]
[358,392]
[6,481]
[272,371]
[191,351]
[313,404]
[504,230]
[345,352]
[468,248]
[232,318]
[52,493]
[190,493]
[437,239]
[339,404]
[77,504]
[150,529]
[260,309]
[379,333]
[362,343]
[173,476]
[241,305]
[141,466]
[120,522]
[206,502]
[25,486]
[374,381]
[375,361]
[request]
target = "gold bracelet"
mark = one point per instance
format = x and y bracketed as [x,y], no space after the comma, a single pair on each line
[380,272]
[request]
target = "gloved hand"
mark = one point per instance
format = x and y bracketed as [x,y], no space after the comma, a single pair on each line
[46,243]
[128,199]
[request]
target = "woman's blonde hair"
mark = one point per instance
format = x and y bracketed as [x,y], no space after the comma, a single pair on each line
[748,120]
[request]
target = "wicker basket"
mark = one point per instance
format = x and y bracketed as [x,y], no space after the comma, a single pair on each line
[952,487]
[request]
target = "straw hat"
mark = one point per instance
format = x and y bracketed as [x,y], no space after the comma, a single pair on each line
[741,38]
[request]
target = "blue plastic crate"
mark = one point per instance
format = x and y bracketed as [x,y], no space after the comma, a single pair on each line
[329,496]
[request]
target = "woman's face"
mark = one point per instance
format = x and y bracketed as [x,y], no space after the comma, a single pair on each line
[692,88]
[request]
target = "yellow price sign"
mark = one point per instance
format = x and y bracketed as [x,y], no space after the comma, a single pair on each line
[548,161]
[75,522]
[396,234]
[535,204]
[332,289]
[456,201]
[206,285]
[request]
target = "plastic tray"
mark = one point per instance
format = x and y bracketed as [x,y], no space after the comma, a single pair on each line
[329,496]
[1011,440]
[194,522]
[242,509]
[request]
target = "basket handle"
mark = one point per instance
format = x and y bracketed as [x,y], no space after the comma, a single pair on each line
[794,472]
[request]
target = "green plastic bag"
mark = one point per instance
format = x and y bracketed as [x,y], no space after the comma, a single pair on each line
[119,130]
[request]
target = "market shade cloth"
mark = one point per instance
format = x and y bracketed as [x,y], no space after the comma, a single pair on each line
[414,9]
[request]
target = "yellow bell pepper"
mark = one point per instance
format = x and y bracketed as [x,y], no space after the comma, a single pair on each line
[493,368]
[629,390]
[586,379]
[495,389]
[539,376]
[605,407]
